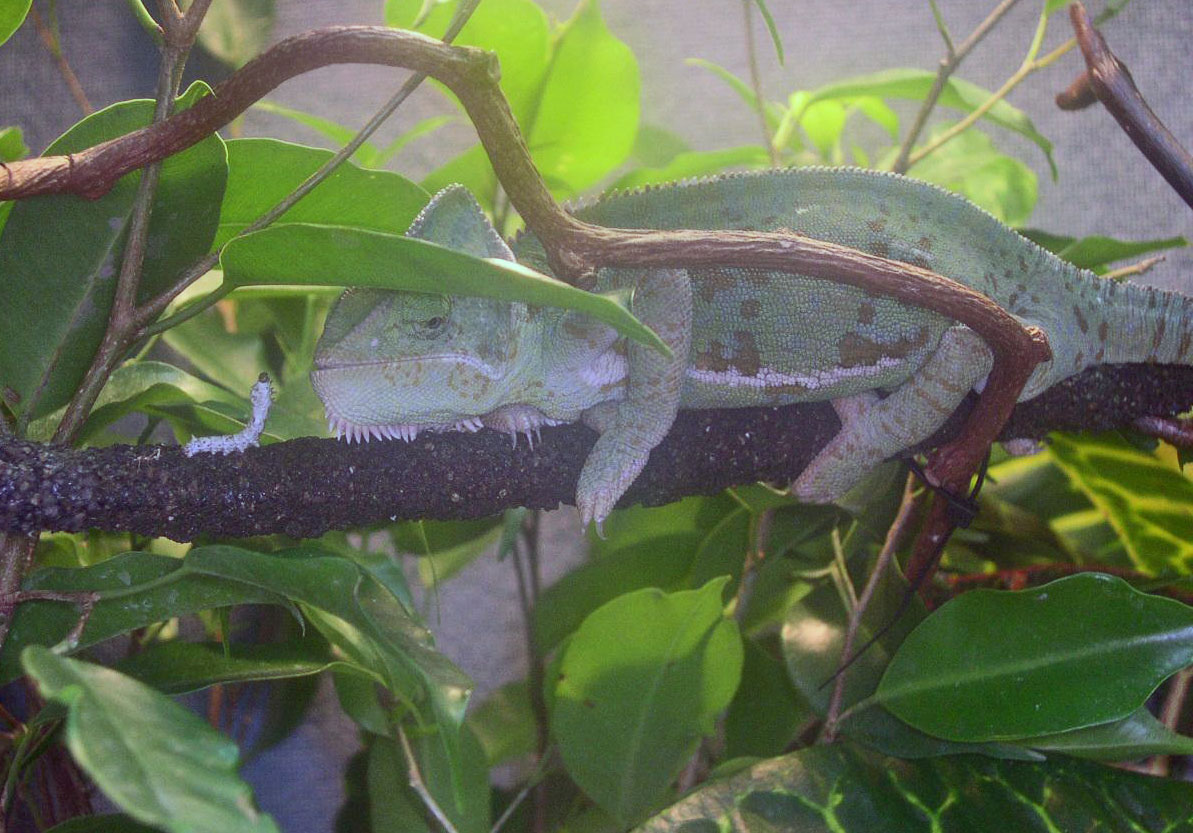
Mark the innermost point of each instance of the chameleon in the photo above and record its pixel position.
(392, 364)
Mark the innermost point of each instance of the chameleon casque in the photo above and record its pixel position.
(392, 364)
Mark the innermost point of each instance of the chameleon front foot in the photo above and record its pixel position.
(606, 475)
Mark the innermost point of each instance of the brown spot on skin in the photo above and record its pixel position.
(857, 350)
(865, 313)
(1098, 356)
(1079, 359)
(925, 243)
(574, 327)
(1022, 264)
(1082, 324)
(1158, 336)
(711, 359)
(747, 359)
(1103, 330)
(877, 226)
(880, 248)
(710, 282)
(751, 308)
(1182, 349)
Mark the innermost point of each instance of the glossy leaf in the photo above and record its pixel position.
(234, 31)
(394, 806)
(299, 253)
(629, 713)
(12, 144)
(1080, 651)
(515, 30)
(1146, 500)
(841, 789)
(159, 762)
(767, 711)
(914, 84)
(107, 823)
(12, 15)
(181, 667)
(57, 295)
(1098, 251)
(263, 171)
(970, 165)
(1137, 736)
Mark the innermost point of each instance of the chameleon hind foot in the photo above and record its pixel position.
(874, 429)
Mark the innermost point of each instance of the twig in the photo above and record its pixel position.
(49, 37)
(1172, 430)
(417, 784)
(756, 82)
(1108, 78)
(1170, 715)
(948, 65)
(1132, 269)
(894, 537)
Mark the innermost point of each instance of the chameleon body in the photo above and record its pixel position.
(393, 363)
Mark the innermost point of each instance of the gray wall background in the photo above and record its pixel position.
(1105, 187)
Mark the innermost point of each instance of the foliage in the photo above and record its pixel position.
(692, 648)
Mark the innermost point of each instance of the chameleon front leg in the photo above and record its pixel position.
(874, 429)
(662, 301)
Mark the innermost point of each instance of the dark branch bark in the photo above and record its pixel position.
(305, 487)
(1108, 80)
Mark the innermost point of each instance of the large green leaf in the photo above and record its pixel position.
(263, 171)
(12, 15)
(504, 724)
(1080, 651)
(181, 667)
(970, 165)
(316, 255)
(959, 94)
(159, 762)
(641, 681)
(1098, 251)
(587, 116)
(840, 789)
(1148, 502)
(1136, 736)
(515, 30)
(234, 31)
(60, 255)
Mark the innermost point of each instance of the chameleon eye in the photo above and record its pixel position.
(434, 323)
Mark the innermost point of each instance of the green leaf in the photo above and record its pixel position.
(12, 144)
(57, 295)
(157, 761)
(771, 28)
(655, 146)
(1146, 500)
(833, 789)
(515, 30)
(771, 111)
(299, 253)
(12, 15)
(1097, 251)
(970, 165)
(914, 84)
(994, 665)
(181, 667)
(695, 163)
(505, 724)
(234, 31)
(587, 113)
(629, 713)
(1137, 736)
(766, 712)
(263, 171)
(336, 132)
(108, 823)
(394, 806)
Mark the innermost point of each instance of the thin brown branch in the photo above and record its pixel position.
(50, 38)
(756, 82)
(1111, 82)
(1172, 430)
(948, 65)
(894, 538)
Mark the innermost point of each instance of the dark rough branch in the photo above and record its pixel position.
(307, 486)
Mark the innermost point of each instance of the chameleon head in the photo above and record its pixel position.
(390, 364)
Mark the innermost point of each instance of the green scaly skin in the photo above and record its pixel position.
(391, 364)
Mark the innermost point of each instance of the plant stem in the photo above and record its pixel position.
(756, 82)
(948, 65)
(419, 786)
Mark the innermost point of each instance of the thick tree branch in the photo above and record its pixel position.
(305, 487)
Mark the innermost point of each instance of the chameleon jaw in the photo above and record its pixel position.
(509, 419)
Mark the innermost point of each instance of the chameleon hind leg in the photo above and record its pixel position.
(874, 429)
(662, 301)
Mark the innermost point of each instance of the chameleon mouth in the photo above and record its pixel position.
(351, 432)
(472, 362)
